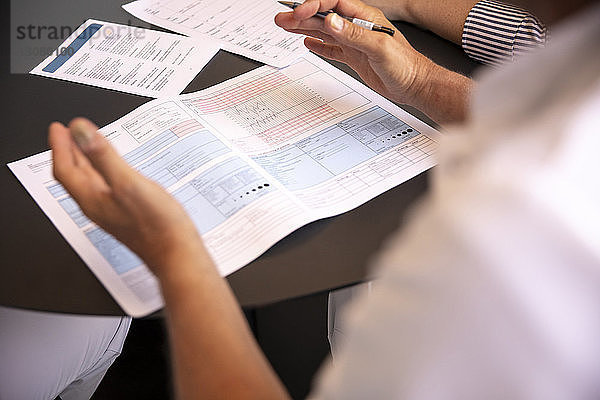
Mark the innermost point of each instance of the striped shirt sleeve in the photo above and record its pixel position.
(495, 33)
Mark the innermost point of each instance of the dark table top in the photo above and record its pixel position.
(39, 270)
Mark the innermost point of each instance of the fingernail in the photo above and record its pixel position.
(337, 22)
(83, 133)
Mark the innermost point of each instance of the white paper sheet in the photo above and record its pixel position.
(251, 160)
(128, 59)
(243, 27)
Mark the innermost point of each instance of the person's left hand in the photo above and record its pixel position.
(136, 210)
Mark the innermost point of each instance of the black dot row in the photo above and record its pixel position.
(263, 186)
(409, 130)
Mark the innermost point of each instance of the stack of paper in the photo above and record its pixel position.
(127, 59)
(244, 27)
(251, 160)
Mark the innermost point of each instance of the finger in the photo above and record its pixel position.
(100, 153)
(373, 44)
(61, 144)
(66, 154)
(350, 8)
(288, 22)
(291, 22)
(306, 10)
(311, 27)
(327, 50)
(67, 159)
(71, 168)
(315, 34)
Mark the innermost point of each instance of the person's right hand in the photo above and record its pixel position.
(136, 210)
(388, 64)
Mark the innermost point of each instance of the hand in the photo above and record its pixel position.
(137, 211)
(388, 64)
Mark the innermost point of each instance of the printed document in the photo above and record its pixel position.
(251, 159)
(243, 27)
(128, 59)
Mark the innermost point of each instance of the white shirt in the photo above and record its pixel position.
(493, 289)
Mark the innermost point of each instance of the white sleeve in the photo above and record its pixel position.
(466, 310)
(493, 290)
(45, 355)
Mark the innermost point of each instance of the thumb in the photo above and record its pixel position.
(352, 35)
(100, 152)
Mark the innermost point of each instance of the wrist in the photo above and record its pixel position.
(183, 259)
(406, 8)
(441, 94)
(419, 85)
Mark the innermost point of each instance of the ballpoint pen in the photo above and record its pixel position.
(360, 22)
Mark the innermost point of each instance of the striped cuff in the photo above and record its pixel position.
(495, 33)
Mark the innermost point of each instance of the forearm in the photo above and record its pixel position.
(394, 10)
(445, 18)
(213, 351)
